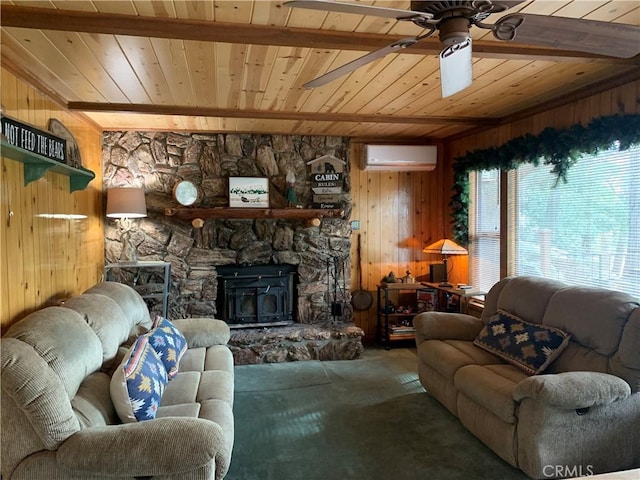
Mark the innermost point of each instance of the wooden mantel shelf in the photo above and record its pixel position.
(241, 213)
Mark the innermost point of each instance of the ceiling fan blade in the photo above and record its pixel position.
(508, 3)
(591, 36)
(456, 68)
(329, 6)
(359, 62)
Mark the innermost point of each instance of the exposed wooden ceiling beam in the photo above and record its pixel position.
(200, 30)
(264, 114)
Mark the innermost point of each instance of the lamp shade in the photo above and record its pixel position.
(126, 202)
(445, 247)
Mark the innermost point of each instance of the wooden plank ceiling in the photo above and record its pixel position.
(239, 66)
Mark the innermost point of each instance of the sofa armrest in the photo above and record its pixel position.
(446, 326)
(203, 332)
(164, 446)
(573, 390)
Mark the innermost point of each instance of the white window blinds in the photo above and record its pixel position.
(484, 229)
(583, 232)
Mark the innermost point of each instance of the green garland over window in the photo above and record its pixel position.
(558, 148)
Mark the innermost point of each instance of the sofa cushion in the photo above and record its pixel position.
(138, 383)
(492, 387)
(203, 332)
(626, 361)
(577, 357)
(528, 346)
(492, 431)
(584, 311)
(525, 297)
(92, 404)
(219, 357)
(216, 384)
(182, 389)
(491, 299)
(168, 343)
(64, 341)
(220, 412)
(37, 395)
(129, 301)
(447, 356)
(106, 319)
(182, 410)
(193, 360)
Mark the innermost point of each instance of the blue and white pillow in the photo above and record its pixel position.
(168, 343)
(138, 383)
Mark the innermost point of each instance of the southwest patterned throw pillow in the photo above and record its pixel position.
(531, 347)
(168, 343)
(138, 383)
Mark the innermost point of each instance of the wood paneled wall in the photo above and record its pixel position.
(44, 260)
(620, 100)
(400, 213)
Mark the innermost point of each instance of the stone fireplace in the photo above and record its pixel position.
(201, 258)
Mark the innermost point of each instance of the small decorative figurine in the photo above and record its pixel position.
(391, 278)
(408, 278)
(291, 189)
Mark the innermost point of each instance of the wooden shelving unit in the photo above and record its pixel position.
(394, 326)
(35, 166)
(242, 213)
(452, 299)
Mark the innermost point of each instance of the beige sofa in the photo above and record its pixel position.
(58, 418)
(579, 416)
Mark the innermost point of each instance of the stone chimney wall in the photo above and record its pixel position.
(157, 161)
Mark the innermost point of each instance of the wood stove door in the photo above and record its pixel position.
(245, 305)
(271, 303)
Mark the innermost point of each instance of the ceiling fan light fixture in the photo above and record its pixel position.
(456, 68)
(454, 38)
(454, 30)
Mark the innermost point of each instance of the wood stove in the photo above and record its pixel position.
(256, 295)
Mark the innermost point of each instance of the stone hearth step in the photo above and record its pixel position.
(333, 341)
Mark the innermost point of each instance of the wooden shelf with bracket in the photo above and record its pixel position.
(247, 213)
(35, 166)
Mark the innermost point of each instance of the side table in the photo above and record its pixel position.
(455, 296)
(393, 326)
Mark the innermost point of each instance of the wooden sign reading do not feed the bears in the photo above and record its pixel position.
(33, 139)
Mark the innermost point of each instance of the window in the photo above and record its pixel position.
(484, 229)
(583, 232)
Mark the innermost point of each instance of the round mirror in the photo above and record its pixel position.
(185, 193)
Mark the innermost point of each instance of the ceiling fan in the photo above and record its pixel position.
(452, 20)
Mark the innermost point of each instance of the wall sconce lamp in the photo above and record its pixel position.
(445, 247)
(124, 204)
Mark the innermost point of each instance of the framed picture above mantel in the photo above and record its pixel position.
(248, 192)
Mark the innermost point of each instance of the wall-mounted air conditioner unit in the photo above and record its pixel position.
(400, 157)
